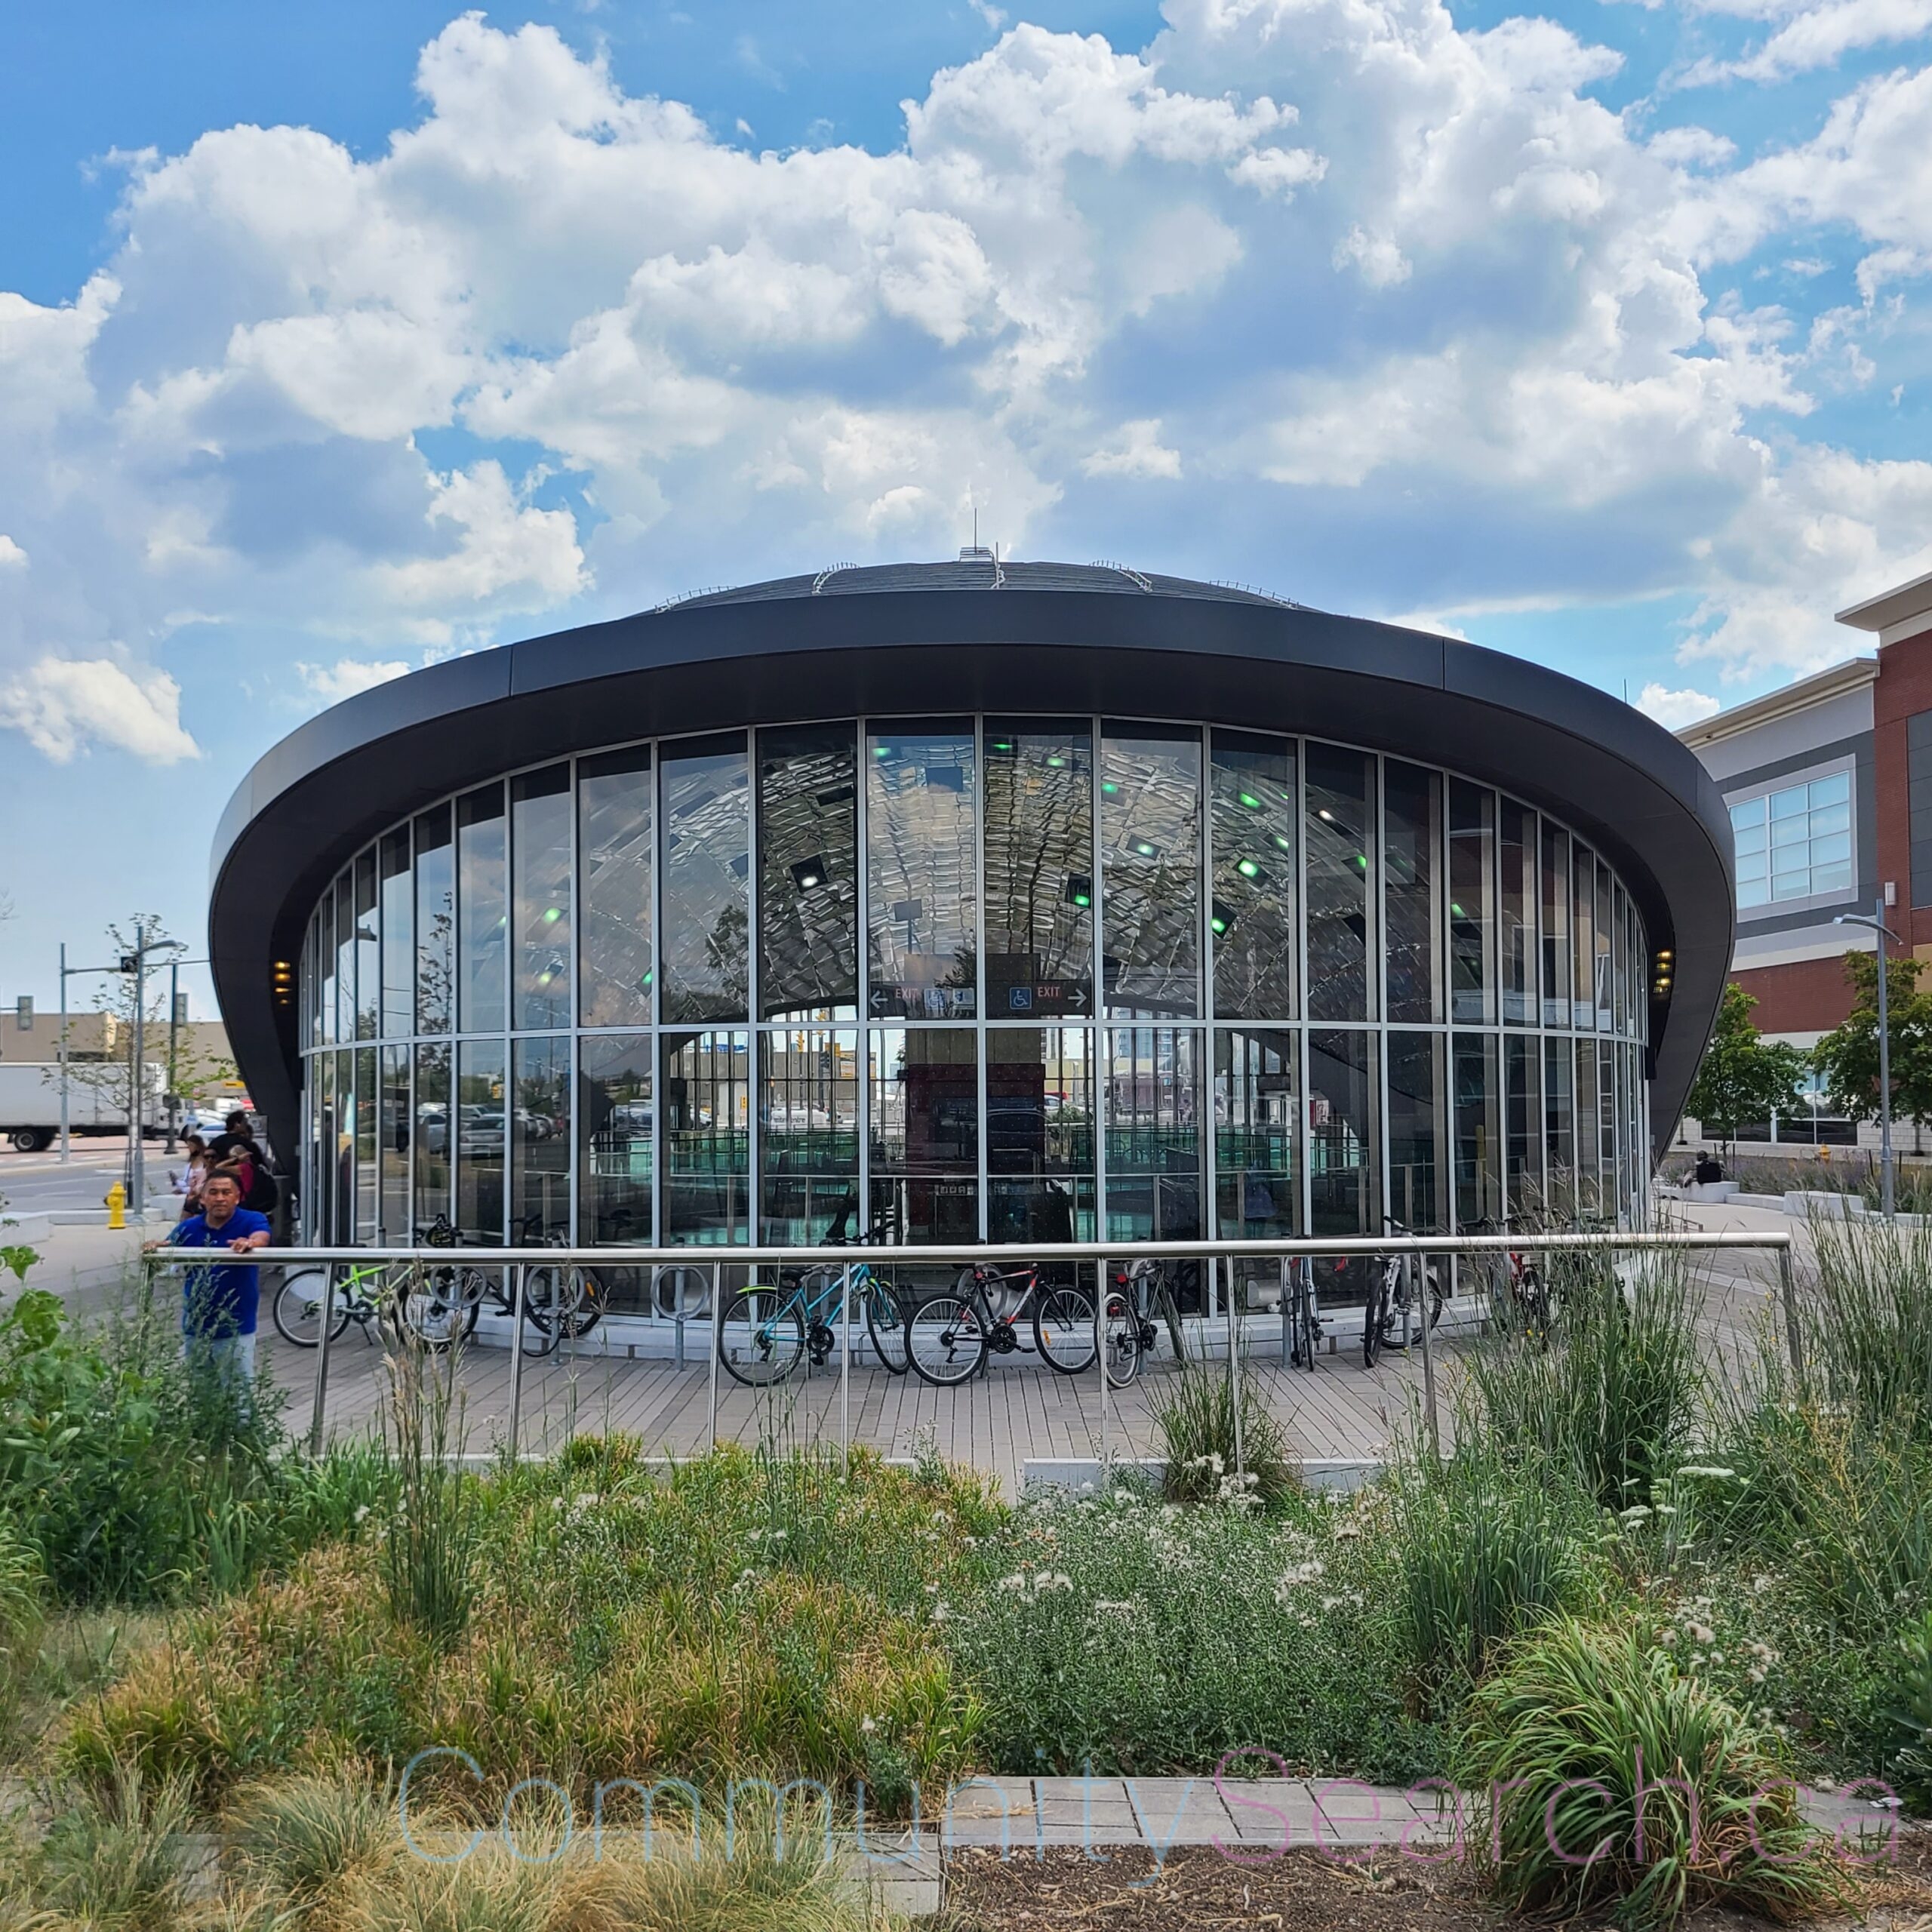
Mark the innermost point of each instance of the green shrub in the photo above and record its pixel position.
(1143, 1637)
(1483, 1549)
(1612, 1782)
(1911, 1714)
(1196, 1417)
(1614, 1396)
(139, 1478)
(301, 1836)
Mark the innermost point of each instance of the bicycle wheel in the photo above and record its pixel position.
(886, 1323)
(1301, 1326)
(1374, 1322)
(436, 1308)
(1063, 1329)
(945, 1340)
(298, 1302)
(584, 1295)
(762, 1335)
(1121, 1336)
(544, 1290)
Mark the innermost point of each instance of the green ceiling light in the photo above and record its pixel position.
(1220, 918)
(1108, 785)
(881, 750)
(1250, 801)
(1456, 910)
(1361, 860)
(551, 914)
(1145, 850)
(1282, 840)
(1248, 869)
(1056, 763)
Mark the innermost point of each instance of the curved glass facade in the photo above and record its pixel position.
(996, 978)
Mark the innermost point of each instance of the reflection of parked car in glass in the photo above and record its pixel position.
(482, 1131)
(432, 1127)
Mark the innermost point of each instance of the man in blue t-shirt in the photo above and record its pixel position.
(218, 1304)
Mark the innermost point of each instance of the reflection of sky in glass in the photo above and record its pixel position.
(1150, 847)
(1338, 863)
(807, 843)
(922, 888)
(1251, 909)
(541, 893)
(1411, 836)
(436, 921)
(482, 910)
(614, 842)
(706, 896)
(1039, 847)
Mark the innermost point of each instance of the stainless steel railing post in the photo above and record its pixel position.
(516, 1357)
(322, 1360)
(1788, 1294)
(1234, 1369)
(845, 1380)
(1425, 1301)
(717, 1343)
(1101, 1362)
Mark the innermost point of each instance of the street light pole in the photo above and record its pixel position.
(65, 1149)
(1877, 923)
(137, 1098)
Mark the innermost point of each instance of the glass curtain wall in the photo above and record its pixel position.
(772, 985)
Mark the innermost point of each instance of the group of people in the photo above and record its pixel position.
(228, 1195)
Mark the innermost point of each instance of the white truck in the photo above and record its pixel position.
(30, 1102)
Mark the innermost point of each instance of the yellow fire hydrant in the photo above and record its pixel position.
(116, 1198)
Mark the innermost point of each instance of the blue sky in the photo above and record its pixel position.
(335, 339)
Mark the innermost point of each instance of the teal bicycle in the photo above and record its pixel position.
(767, 1328)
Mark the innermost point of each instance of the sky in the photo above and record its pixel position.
(336, 338)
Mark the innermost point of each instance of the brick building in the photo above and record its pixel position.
(1829, 783)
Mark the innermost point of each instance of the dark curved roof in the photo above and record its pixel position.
(903, 638)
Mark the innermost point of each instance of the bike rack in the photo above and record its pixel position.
(1416, 1247)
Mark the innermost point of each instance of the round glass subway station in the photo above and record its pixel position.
(988, 901)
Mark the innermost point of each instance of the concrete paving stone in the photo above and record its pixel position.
(1101, 1790)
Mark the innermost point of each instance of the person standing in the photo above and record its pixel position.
(193, 1171)
(219, 1304)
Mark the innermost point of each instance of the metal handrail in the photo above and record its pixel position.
(851, 1255)
(727, 1255)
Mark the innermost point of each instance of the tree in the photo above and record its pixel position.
(1847, 1058)
(1742, 1076)
(113, 1077)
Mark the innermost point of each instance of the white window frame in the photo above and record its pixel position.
(1789, 781)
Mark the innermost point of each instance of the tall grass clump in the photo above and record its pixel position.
(1484, 1547)
(1911, 1715)
(1868, 1329)
(1195, 1415)
(1613, 1783)
(1612, 1397)
(110, 1857)
(23, 1590)
(432, 1514)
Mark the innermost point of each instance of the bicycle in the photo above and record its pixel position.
(415, 1305)
(950, 1336)
(1391, 1301)
(1532, 1302)
(1305, 1327)
(1136, 1295)
(767, 1328)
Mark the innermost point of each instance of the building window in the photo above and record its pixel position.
(1794, 843)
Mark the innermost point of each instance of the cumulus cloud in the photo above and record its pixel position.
(346, 676)
(1675, 709)
(1137, 451)
(64, 704)
(557, 350)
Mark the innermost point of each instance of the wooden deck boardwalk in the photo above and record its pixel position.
(1018, 1411)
